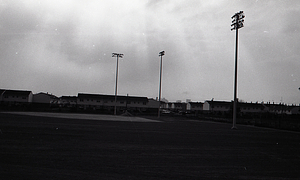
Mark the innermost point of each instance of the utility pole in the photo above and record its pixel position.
(121, 56)
(237, 23)
(161, 54)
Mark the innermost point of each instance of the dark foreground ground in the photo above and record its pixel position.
(53, 148)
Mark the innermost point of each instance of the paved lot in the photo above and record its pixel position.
(37, 147)
(98, 117)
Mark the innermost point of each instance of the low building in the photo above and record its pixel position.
(194, 106)
(168, 105)
(68, 101)
(179, 106)
(283, 109)
(100, 101)
(152, 103)
(251, 107)
(16, 96)
(44, 98)
(217, 106)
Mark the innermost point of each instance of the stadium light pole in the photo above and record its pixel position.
(161, 54)
(121, 56)
(237, 23)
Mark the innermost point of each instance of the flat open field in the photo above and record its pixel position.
(39, 147)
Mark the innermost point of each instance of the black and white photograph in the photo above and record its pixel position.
(149, 89)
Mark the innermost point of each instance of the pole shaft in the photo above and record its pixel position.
(160, 74)
(235, 80)
(115, 111)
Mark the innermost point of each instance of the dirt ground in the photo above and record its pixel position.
(37, 147)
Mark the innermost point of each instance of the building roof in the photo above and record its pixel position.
(112, 97)
(196, 103)
(224, 103)
(69, 97)
(47, 94)
(16, 92)
(281, 107)
(253, 105)
(179, 103)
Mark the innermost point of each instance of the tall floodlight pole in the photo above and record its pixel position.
(160, 74)
(121, 56)
(237, 23)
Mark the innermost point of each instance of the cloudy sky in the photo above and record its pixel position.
(65, 47)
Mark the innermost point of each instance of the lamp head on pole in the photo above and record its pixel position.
(117, 55)
(161, 53)
(238, 20)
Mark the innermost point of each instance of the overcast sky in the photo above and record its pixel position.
(65, 47)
